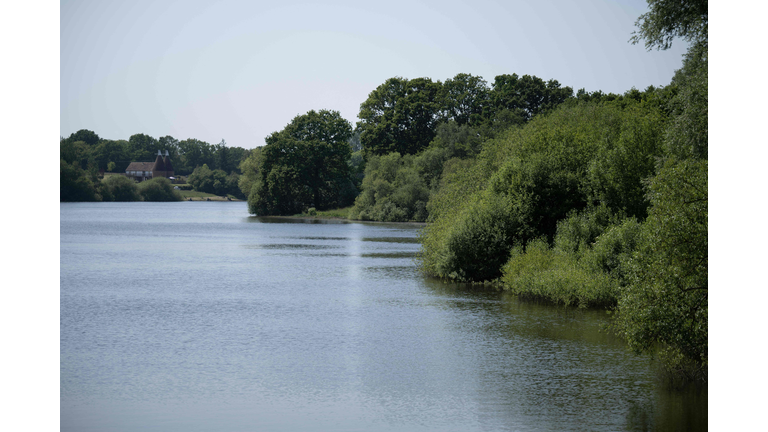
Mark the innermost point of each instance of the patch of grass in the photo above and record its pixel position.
(342, 213)
(195, 194)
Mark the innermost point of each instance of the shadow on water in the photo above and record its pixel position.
(389, 255)
(302, 220)
(290, 246)
(566, 359)
(293, 220)
(409, 240)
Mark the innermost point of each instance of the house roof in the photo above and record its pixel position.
(167, 162)
(140, 166)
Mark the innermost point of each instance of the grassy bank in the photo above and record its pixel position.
(340, 213)
(190, 195)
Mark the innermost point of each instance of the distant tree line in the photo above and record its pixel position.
(85, 156)
(105, 155)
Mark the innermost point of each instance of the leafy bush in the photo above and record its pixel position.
(613, 248)
(158, 189)
(122, 188)
(579, 230)
(529, 179)
(557, 276)
(393, 191)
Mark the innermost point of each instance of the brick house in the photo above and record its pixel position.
(141, 171)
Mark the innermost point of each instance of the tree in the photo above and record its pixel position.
(194, 153)
(108, 151)
(249, 167)
(465, 99)
(304, 165)
(170, 144)
(74, 151)
(221, 157)
(400, 115)
(142, 147)
(88, 137)
(201, 179)
(524, 97)
(665, 305)
(688, 133)
(668, 19)
(76, 184)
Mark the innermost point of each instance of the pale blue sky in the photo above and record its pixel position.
(239, 70)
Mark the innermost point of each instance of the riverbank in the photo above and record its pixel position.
(339, 214)
(191, 195)
(212, 198)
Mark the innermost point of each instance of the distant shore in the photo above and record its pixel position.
(212, 198)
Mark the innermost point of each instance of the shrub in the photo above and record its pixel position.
(122, 188)
(579, 230)
(393, 191)
(158, 189)
(612, 249)
(546, 176)
(556, 276)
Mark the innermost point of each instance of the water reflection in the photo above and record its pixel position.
(290, 246)
(411, 240)
(389, 255)
(565, 362)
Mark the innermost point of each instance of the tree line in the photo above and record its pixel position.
(85, 157)
(106, 155)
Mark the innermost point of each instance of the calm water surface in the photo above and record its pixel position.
(192, 316)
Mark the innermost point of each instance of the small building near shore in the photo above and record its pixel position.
(141, 171)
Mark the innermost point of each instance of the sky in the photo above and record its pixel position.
(240, 70)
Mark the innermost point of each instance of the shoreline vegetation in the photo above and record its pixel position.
(585, 200)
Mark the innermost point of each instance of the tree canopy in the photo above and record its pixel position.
(668, 19)
(303, 166)
(400, 116)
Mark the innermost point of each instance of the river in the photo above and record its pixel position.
(194, 316)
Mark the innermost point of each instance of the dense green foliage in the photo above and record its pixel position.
(158, 189)
(403, 115)
(600, 202)
(400, 116)
(393, 191)
(304, 165)
(84, 155)
(76, 184)
(122, 188)
(524, 182)
(216, 182)
(87, 148)
(397, 187)
(665, 302)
